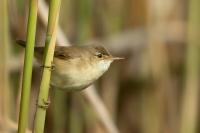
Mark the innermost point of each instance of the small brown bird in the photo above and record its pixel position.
(76, 67)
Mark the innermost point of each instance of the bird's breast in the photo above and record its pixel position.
(74, 74)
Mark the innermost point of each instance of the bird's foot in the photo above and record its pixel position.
(52, 67)
(44, 105)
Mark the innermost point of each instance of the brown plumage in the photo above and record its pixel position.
(76, 67)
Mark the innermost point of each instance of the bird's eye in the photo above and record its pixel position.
(99, 55)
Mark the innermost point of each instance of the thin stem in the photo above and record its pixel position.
(48, 59)
(5, 103)
(27, 72)
(189, 114)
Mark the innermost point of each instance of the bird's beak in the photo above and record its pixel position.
(114, 58)
(118, 58)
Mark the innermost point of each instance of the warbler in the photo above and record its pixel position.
(76, 67)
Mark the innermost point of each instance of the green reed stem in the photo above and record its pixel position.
(189, 112)
(47, 61)
(5, 91)
(27, 72)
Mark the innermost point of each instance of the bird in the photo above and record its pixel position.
(76, 67)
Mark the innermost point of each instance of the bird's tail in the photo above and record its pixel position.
(21, 43)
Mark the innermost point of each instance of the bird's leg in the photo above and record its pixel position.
(44, 104)
(47, 102)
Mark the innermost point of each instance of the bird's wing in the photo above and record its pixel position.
(61, 52)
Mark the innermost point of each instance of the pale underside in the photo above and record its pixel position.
(73, 74)
(75, 70)
(76, 67)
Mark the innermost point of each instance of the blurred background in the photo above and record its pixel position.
(154, 90)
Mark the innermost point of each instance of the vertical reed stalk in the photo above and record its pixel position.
(27, 72)
(47, 61)
(189, 112)
(5, 103)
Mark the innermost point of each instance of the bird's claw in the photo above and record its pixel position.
(45, 104)
(52, 67)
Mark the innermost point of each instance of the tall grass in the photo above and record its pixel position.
(47, 61)
(27, 72)
(5, 105)
(189, 110)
